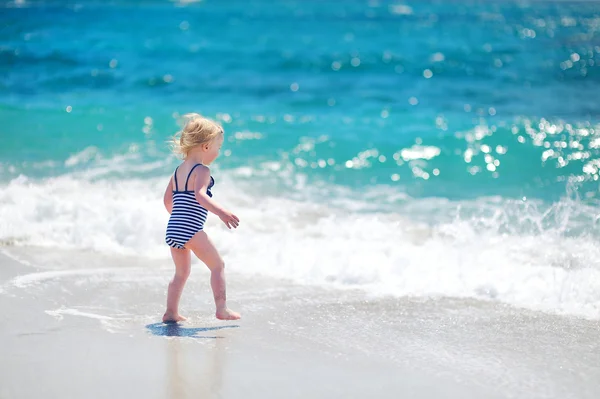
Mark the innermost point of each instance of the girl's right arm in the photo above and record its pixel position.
(202, 181)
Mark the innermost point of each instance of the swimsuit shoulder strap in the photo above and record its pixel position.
(175, 175)
(190, 174)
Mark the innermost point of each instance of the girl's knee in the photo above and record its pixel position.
(183, 273)
(218, 266)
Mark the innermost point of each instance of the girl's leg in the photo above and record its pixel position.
(183, 264)
(204, 249)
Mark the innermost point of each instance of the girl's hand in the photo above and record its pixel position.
(229, 219)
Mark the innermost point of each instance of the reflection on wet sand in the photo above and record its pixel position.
(185, 381)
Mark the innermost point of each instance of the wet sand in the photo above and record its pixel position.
(78, 324)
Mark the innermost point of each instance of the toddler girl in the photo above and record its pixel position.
(188, 198)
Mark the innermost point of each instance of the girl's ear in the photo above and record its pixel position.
(205, 146)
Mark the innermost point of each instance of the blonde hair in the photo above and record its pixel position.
(196, 131)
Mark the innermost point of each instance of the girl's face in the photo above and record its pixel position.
(212, 149)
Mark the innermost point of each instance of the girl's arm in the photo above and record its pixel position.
(202, 180)
(168, 198)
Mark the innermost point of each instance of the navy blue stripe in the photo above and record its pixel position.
(187, 209)
(187, 201)
(181, 236)
(190, 213)
(184, 226)
(175, 192)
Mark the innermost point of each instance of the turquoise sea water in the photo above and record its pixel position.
(476, 118)
(513, 83)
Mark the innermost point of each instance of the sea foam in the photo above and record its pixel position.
(522, 253)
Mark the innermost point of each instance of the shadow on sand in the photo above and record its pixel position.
(176, 330)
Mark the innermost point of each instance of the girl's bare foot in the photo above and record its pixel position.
(226, 314)
(173, 318)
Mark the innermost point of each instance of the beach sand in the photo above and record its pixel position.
(83, 325)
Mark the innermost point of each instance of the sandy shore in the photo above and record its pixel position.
(85, 325)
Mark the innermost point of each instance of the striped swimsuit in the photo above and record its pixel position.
(188, 216)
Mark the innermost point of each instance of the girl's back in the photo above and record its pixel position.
(185, 169)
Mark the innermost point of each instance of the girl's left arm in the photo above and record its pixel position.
(168, 198)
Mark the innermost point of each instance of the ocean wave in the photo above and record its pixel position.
(524, 253)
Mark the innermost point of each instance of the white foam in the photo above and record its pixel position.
(15, 258)
(36, 278)
(519, 253)
(83, 156)
(112, 216)
(58, 313)
(109, 323)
